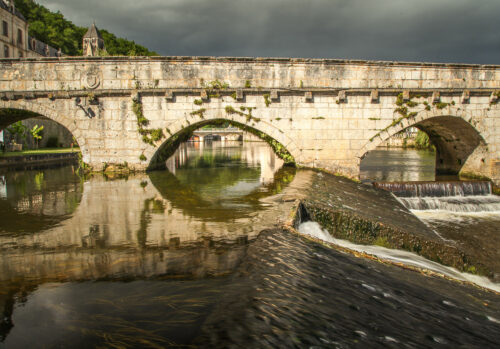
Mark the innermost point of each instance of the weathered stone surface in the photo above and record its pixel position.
(346, 109)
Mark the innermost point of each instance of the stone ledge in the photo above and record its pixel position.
(169, 92)
(283, 60)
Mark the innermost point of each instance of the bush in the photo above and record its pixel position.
(422, 141)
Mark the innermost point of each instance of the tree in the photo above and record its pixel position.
(36, 133)
(18, 130)
(53, 29)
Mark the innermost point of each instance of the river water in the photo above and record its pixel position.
(176, 258)
(467, 215)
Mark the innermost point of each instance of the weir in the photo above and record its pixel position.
(436, 189)
(456, 196)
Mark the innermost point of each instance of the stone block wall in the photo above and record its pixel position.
(326, 113)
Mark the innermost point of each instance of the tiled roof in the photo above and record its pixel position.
(8, 8)
(92, 32)
(40, 47)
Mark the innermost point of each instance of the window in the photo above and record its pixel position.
(6, 51)
(19, 36)
(5, 28)
(20, 54)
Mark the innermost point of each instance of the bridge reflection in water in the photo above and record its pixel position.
(146, 225)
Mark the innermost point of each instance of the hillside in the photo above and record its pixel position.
(53, 29)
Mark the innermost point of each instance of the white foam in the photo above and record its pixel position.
(398, 256)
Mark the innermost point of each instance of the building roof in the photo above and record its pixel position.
(41, 47)
(6, 7)
(93, 32)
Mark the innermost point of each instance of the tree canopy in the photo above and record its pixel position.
(53, 29)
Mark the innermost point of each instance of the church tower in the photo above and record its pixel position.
(93, 43)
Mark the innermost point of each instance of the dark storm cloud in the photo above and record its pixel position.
(411, 30)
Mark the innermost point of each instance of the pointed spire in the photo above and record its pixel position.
(93, 32)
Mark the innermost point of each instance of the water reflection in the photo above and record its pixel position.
(145, 225)
(398, 165)
(35, 200)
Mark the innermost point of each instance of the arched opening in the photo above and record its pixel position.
(219, 170)
(26, 130)
(437, 148)
(38, 179)
(168, 148)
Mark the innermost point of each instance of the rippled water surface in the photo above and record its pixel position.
(175, 258)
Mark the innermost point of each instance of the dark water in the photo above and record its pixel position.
(175, 258)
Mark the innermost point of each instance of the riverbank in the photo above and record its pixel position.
(19, 160)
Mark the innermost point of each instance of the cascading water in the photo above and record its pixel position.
(464, 213)
(458, 196)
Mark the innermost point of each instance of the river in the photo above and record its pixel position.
(177, 258)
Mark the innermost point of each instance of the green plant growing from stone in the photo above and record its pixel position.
(494, 101)
(214, 88)
(200, 112)
(143, 157)
(148, 136)
(441, 105)
(267, 99)
(402, 109)
(248, 84)
(82, 165)
(248, 115)
(198, 102)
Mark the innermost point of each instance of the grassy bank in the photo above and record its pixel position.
(40, 152)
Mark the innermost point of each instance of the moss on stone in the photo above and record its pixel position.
(267, 99)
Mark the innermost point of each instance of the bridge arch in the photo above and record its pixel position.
(181, 130)
(458, 139)
(14, 111)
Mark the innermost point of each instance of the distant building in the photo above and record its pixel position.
(14, 39)
(93, 43)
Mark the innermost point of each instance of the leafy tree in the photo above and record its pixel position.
(18, 129)
(53, 29)
(36, 133)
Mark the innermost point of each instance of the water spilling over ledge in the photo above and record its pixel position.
(367, 215)
(436, 189)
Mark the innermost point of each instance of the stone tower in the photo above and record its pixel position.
(93, 43)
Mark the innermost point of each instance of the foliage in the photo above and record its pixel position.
(422, 141)
(18, 129)
(36, 133)
(148, 136)
(267, 100)
(53, 29)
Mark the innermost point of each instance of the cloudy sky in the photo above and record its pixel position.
(465, 31)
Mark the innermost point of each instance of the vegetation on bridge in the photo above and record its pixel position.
(53, 29)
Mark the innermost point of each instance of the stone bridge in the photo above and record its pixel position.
(225, 134)
(314, 112)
